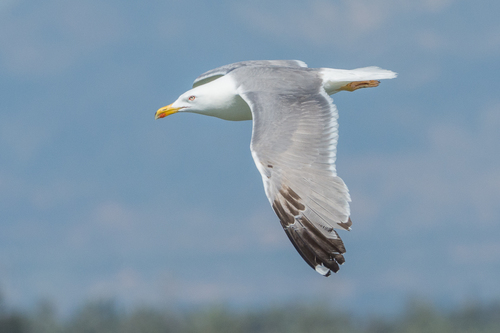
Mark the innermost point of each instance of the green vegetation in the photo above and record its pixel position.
(105, 317)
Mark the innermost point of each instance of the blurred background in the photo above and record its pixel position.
(99, 201)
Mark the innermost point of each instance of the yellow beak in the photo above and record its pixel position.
(165, 111)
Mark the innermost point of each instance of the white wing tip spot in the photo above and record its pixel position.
(322, 270)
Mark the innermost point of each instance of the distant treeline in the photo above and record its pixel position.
(105, 317)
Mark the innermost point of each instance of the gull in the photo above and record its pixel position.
(294, 142)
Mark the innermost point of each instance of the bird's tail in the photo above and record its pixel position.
(335, 80)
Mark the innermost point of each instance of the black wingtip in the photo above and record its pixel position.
(322, 253)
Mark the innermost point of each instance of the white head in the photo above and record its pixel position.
(216, 98)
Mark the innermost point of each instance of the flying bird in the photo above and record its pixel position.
(294, 142)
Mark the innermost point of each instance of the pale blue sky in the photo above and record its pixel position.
(99, 200)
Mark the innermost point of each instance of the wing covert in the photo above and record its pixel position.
(223, 70)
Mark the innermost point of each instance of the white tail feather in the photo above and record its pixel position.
(334, 79)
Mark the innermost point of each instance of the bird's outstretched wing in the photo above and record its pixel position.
(293, 144)
(223, 70)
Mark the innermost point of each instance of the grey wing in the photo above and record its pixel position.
(223, 70)
(294, 147)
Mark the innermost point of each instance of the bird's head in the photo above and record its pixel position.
(216, 98)
(190, 101)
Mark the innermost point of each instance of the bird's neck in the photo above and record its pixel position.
(225, 103)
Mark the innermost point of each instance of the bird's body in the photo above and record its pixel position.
(293, 142)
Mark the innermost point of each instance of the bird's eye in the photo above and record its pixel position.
(191, 98)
